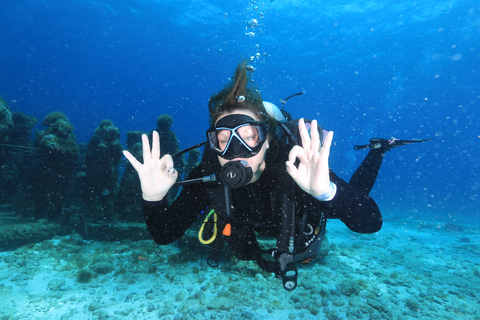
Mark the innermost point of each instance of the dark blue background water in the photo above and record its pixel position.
(404, 69)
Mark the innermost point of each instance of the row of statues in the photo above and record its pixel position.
(52, 176)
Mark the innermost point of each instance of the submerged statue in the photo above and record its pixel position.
(128, 203)
(103, 154)
(6, 122)
(20, 154)
(58, 151)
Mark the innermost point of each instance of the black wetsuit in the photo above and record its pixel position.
(257, 206)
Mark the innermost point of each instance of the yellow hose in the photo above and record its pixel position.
(200, 232)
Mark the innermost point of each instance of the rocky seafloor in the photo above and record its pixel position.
(409, 270)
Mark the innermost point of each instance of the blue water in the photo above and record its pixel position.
(404, 69)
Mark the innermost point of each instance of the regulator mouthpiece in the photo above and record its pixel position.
(235, 174)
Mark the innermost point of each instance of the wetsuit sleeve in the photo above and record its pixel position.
(168, 223)
(356, 209)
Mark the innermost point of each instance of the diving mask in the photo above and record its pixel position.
(237, 136)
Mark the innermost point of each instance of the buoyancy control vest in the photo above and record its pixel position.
(300, 231)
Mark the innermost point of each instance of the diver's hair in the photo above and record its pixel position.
(227, 100)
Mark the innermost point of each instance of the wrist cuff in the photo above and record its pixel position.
(162, 202)
(329, 194)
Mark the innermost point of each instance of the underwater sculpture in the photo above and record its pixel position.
(20, 134)
(17, 163)
(193, 161)
(6, 122)
(58, 151)
(103, 154)
(128, 201)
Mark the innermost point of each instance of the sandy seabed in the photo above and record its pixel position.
(409, 270)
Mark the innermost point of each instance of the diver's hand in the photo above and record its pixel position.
(312, 174)
(156, 175)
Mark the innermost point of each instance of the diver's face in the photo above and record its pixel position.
(256, 162)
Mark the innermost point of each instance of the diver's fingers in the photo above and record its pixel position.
(303, 155)
(315, 144)
(292, 156)
(146, 148)
(135, 163)
(304, 134)
(325, 151)
(155, 145)
(167, 162)
(292, 170)
(294, 153)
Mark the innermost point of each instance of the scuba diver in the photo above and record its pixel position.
(260, 174)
